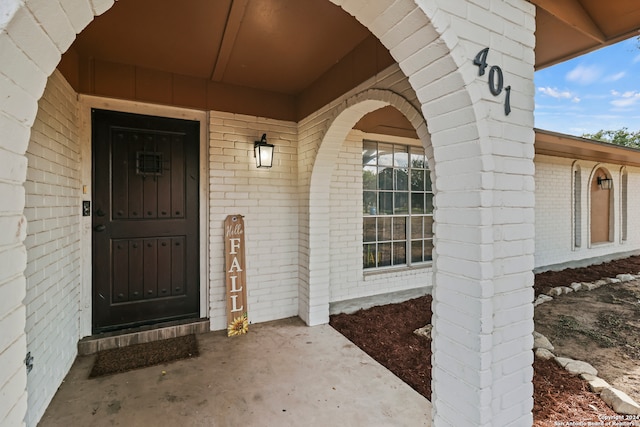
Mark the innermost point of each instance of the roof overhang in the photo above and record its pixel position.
(560, 145)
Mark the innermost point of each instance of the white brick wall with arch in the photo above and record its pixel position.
(562, 223)
(482, 172)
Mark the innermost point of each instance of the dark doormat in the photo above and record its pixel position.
(142, 355)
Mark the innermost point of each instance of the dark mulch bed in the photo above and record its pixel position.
(142, 355)
(548, 279)
(386, 334)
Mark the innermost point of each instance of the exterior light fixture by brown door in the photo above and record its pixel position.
(605, 183)
(263, 152)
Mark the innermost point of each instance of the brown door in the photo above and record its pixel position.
(145, 220)
(600, 210)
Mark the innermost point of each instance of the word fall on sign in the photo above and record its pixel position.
(234, 257)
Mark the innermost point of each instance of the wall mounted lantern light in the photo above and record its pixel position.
(605, 183)
(263, 152)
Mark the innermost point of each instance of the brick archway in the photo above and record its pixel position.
(474, 168)
(342, 118)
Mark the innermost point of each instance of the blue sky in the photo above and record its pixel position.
(599, 90)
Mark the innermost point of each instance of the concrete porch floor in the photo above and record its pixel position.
(281, 373)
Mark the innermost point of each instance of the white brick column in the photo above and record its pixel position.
(483, 182)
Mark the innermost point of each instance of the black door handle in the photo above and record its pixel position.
(100, 227)
(100, 212)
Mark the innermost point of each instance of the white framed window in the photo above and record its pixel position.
(397, 206)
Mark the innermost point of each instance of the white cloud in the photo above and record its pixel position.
(575, 99)
(615, 77)
(584, 75)
(636, 59)
(626, 99)
(555, 93)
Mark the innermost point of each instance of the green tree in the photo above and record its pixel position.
(619, 137)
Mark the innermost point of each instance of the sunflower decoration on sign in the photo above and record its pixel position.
(239, 326)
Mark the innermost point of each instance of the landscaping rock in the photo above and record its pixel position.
(600, 282)
(576, 367)
(590, 286)
(620, 402)
(596, 384)
(576, 286)
(611, 280)
(544, 354)
(566, 289)
(540, 341)
(425, 331)
(542, 298)
(625, 277)
(554, 292)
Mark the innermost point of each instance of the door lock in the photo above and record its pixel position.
(100, 227)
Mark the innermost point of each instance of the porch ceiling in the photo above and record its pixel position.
(292, 56)
(569, 28)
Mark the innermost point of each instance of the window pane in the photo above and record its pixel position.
(385, 154)
(385, 178)
(399, 253)
(369, 256)
(384, 254)
(416, 251)
(399, 228)
(427, 181)
(369, 177)
(416, 227)
(385, 206)
(401, 179)
(428, 226)
(417, 180)
(417, 203)
(369, 153)
(384, 229)
(369, 203)
(429, 199)
(401, 157)
(417, 158)
(401, 203)
(428, 250)
(369, 229)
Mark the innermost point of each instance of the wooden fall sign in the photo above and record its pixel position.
(234, 260)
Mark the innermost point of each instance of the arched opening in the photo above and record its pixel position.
(601, 217)
(342, 121)
(577, 205)
(381, 198)
(624, 204)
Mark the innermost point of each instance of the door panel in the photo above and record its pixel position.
(600, 210)
(145, 220)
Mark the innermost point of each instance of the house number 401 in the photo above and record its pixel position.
(496, 79)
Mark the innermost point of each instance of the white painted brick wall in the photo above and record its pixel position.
(268, 200)
(554, 206)
(347, 280)
(17, 109)
(53, 243)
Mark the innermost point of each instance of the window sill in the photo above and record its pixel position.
(394, 270)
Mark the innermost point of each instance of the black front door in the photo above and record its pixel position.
(145, 220)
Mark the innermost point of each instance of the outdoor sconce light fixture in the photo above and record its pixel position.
(263, 152)
(605, 183)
